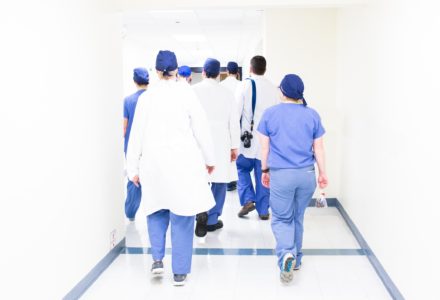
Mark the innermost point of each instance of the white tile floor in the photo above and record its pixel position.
(247, 277)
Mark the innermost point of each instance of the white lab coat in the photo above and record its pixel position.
(170, 144)
(220, 108)
(267, 96)
(231, 83)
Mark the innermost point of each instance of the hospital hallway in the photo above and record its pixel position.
(238, 262)
(369, 69)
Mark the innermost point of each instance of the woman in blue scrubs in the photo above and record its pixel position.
(291, 136)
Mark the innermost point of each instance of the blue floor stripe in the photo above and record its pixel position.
(249, 251)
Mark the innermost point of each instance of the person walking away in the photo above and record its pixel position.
(171, 153)
(291, 135)
(141, 79)
(184, 74)
(256, 95)
(232, 83)
(220, 108)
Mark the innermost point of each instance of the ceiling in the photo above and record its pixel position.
(194, 35)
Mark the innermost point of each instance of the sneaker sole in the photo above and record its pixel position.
(286, 275)
(158, 271)
(178, 283)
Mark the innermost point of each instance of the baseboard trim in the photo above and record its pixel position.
(81, 287)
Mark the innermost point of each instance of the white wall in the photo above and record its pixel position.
(303, 42)
(388, 92)
(61, 172)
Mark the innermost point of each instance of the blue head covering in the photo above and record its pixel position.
(185, 71)
(212, 67)
(232, 67)
(166, 61)
(293, 87)
(140, 76)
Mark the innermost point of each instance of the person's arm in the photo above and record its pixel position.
(134, 150)
(125, 126)
(264, 143)
(318, 149)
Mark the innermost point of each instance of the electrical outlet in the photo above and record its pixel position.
(112, 239)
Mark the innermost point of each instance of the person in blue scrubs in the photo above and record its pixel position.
(291, 135)
(141, 79)
(184, 73)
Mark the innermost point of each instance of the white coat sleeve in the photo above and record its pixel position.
(134, 149)
(245, 106)
(234, 125)
(201, 129)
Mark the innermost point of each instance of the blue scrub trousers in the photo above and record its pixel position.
(182, 233)
(245, 188)
(290, 193)
(219, 192)
(134, 195)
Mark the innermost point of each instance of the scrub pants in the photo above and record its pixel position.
(219, 192)
(182, 232)
(245, 188)
(134, 195)
(290, 193)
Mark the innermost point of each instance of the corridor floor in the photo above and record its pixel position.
(237, 262)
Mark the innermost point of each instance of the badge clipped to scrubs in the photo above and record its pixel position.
(321, 201)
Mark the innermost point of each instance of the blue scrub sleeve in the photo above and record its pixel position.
(319, 129)
(262, 126)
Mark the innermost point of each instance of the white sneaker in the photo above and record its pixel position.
(157, 268)
(286, 274)
(179, 279)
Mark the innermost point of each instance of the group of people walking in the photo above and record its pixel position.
(185, 144)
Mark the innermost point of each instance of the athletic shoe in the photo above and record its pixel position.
(264, 217)
(247, 208)
(297, 267)
(157, 268)
(286, 274)
(202, 219)
(214, 227)
(232, 186)
(179, 279)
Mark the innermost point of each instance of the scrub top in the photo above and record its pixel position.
(129, 108)
(291, 128)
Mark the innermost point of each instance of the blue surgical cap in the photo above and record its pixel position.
(184, 71)
(232, 67)
(293, 87)
(166, 61)
(140, 76)
(211, 67)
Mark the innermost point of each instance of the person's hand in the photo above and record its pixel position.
(210, 169)
(135, 180)
(265, 179)
(234, 154)
(322, 181)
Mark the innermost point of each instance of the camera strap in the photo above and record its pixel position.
(254, 101)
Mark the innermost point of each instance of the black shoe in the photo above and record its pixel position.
(214, 227)
(247, 208)
(202, 219)
(264, 217)
(232, 186)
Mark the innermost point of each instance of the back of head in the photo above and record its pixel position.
(211, 68)
(184, 71)
(232, 67)
(141, 76)
(258, 65)
(166, 63)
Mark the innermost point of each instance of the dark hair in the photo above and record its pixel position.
(212, 75)
(258, 65)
